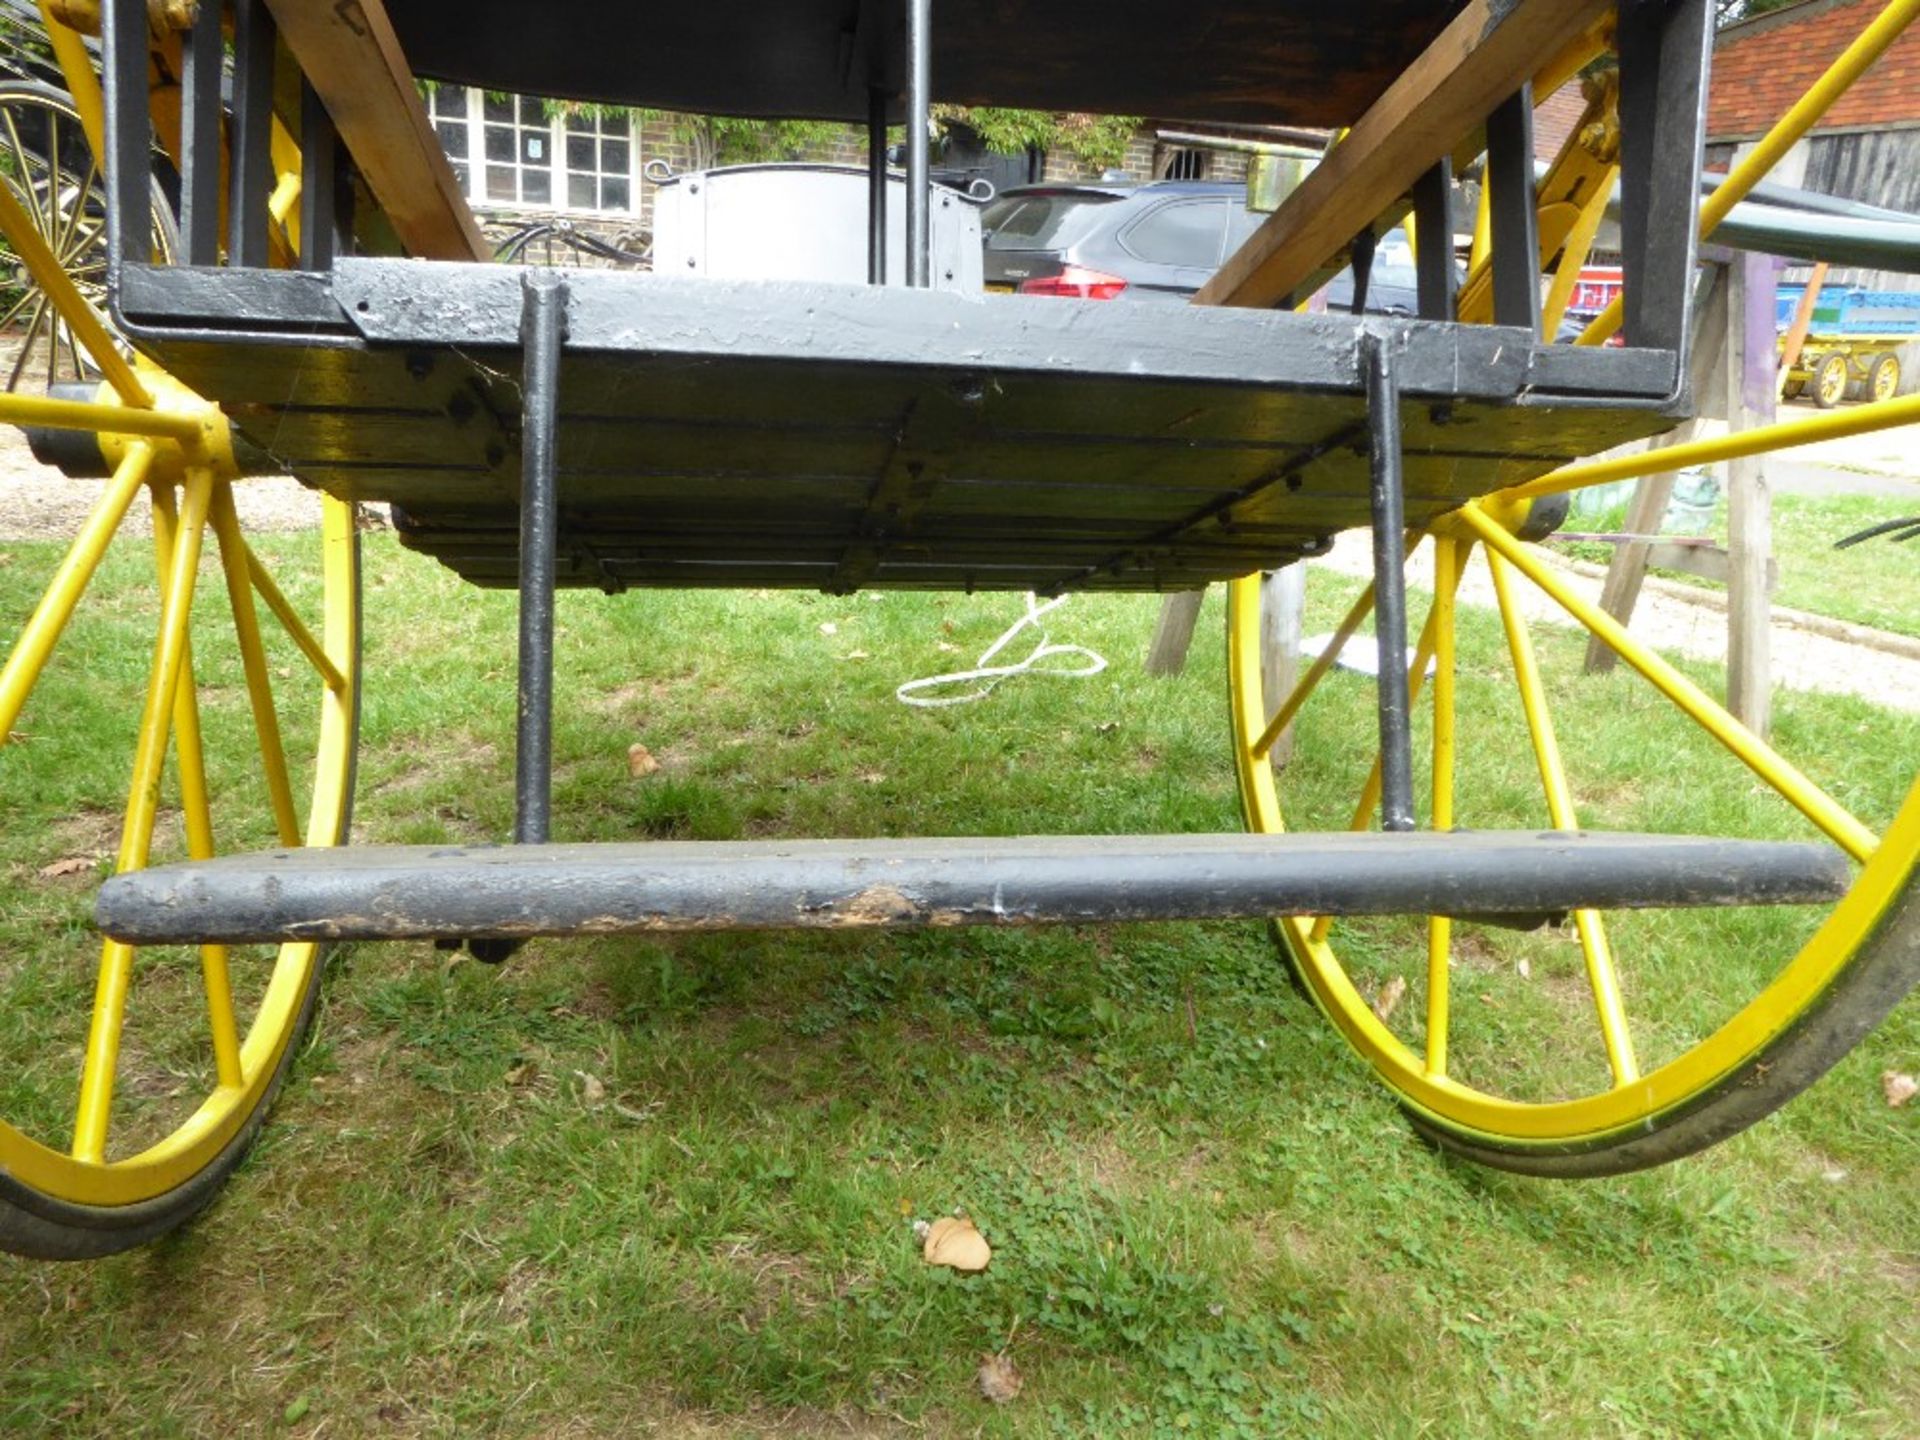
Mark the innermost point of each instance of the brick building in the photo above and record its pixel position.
(1867, 147)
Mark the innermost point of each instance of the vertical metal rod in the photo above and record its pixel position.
(1516, 231)
(542, 325)
(319, 151)
(876, 186)
(1433, 235)
(200, 138)
(1360, 258)
(1389, 583)
(919, 104)
(129, 136)
(250, 168)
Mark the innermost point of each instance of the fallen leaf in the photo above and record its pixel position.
(522, 1074)
(1900, 1087)
(1833, 1174)
(956, 1243)
(1525, 967)
(999, 1380)
(945, 648)
(72, 865)
(906, 1206)
(827, 627)
(1389, 998)
(856, 655)
(593, 1092)
(640, 761)
(873, 777)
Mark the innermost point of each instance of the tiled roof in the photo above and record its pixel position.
(1762, 66)
(1554, 119)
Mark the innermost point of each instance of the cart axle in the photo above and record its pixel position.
(402, 892)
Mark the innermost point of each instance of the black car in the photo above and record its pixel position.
(1157, 241)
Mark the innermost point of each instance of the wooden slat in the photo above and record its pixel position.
(354, 62)
(1489, 51)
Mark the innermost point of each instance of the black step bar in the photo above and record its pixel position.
(398, 892)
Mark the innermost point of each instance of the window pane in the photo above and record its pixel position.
(613, 157)
(580, 192)
(533, 147)
(536, 186)
(453, 137)
(500, 183)
(498, 107)
(532, 112)
(499, 142)
(579, 152)
(581, 123)
(613, 194)
(1187, 233)
(461, 175)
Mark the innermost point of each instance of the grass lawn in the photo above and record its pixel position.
(619, 1187)
(1876, 582)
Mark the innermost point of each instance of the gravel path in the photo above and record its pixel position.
(1801, 661)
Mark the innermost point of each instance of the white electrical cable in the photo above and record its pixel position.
(985, 674)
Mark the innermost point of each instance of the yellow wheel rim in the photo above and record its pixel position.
(1631, 1104)
(1886, 377)
(108, 1180)
(1830, 380)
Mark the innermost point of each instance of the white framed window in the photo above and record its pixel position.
(507, 152)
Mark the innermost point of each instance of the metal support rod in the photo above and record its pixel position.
(919, 103)
(200, 112)
(542, 325)
(1433, 232)
(129, 136)
(876, 186)
(1360, 258)
(319, 182)
(1516, 232)
(250, 156)
(1389, 583)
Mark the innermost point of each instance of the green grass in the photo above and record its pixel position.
(1876, 582)
(1207, 1219)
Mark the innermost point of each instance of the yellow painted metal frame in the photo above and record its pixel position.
(158, 433)
(1633, 1103)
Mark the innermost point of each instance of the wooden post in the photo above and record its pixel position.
(1167, 654)
(1283, 600)
(1750, 402)
(1650, 496)
(1796, 338)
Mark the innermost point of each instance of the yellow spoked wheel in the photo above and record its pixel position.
(1830, 381)
(47, 164)
(1883, 381)
(1615, 1041)
(135, 1079)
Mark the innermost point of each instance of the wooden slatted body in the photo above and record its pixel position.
(815, 436)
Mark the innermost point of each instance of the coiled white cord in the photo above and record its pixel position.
(985, 674)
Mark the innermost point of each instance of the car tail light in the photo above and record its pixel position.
(1077, 283)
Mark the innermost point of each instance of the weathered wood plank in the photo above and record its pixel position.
(1489, 50)
(354, 62)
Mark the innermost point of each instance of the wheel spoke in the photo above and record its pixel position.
(136, 833)
(253, 658)
(23, 167)
(1809, 799)
(1446, 579)
(26, 343)
(49, 619)
(1322, 663)
(1416, 681)
(195, 806)
(295, 627)
(1602, 978)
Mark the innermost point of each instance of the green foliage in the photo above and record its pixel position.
(1097, 140)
